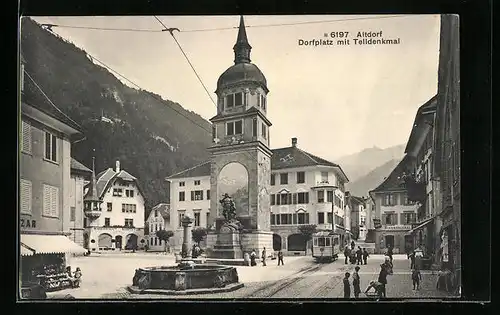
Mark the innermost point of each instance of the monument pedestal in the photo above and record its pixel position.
(227, 246)
(234, 245)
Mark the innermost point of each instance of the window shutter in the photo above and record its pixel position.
(289, 199)
(55, 201)
(26, 137)
(192, 195)
(201, 194)
(54, 148)
(294, 199)
(384, 219)
(402, 219)
(26, 196)
(307, 197)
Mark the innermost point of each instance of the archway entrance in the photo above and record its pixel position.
(276, 242)
(118, 242)
(297, 242)
(131, 242)
(104, 241)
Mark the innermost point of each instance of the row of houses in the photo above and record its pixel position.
(64, 208)
(418, 204)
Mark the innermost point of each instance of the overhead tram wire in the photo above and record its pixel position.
(49, 25)
(161, 101)
(48, 98)
(171, 31)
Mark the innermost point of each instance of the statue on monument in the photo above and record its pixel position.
(228, 208)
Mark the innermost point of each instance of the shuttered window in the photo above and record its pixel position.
(26, 137)
(50, 147)
(50, 201)
(25, 193)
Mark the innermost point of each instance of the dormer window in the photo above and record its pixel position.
(234, 128)
(262, 101)
(233, 100)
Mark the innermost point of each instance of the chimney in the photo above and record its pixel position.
(117, 166)
(294, 142)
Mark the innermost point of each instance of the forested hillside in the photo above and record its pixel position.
(151, 137)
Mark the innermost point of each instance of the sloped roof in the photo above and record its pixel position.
(291, 157)
(199, 170)
(163, 209)
(77, 166)
(34, 97)
(393, 181)
(428, 108)
(108, 176)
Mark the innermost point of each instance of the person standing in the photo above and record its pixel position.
(264, 257)
(280, 258)
(353, 245)
(347, 286)
(389, 252)
(356, 282)
(382, 279)
(359, 256)
(365, 256)
(416, 276)
(419, 254)
(347, 254)
(253, 257)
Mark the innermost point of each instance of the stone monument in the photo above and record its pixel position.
(228, 245)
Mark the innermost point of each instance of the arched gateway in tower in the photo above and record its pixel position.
(241, 158)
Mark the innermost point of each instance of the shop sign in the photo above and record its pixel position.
(28, 223)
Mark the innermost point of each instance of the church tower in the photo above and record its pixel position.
(241, 158)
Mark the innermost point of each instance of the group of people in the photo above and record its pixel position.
(377, 286)
(359, 256)
(74, 277)
(253, 257)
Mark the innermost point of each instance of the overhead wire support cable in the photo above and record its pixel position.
(171, 31)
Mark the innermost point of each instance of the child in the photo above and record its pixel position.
(416, 276)
(347, 286)
(365, 256)
(356, 282)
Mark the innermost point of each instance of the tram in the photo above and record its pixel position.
(326, 246)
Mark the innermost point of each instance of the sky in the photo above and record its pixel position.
(337, 100)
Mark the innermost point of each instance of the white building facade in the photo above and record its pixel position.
(121, 223)
(73, 224)
(189, 195)
(158, 219)
(305, 190)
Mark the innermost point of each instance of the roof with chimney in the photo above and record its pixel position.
(107, 177)
(283, 158)
(394, 182)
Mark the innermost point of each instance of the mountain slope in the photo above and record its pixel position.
(362, 185)
(152, 138)
(360, 164)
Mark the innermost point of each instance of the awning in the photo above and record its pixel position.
(421, 225)
(25, 251)
(51, 244)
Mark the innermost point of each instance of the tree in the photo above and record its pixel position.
(164, 236)
(198, 234)
(307, 230)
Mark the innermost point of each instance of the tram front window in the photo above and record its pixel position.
(321, 241)
(327, 242)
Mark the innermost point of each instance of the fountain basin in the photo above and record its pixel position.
(194, 279)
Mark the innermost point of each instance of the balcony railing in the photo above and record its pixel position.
(397, 227)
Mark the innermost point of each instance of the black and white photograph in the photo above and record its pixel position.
(252, 157)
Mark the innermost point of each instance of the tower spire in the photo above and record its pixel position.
(92, 195)
(242, 47)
